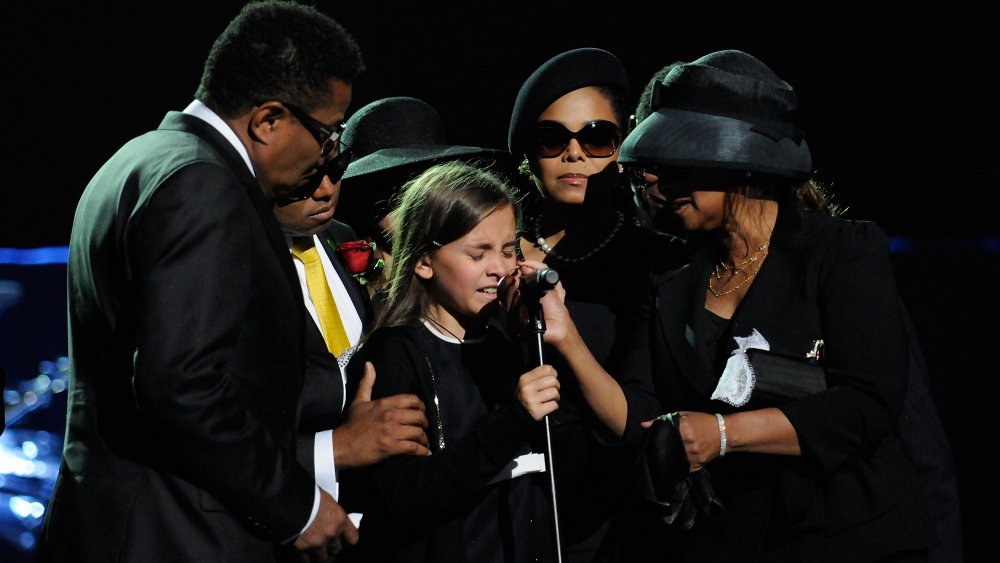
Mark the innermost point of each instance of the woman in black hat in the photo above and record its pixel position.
(566, 127)
(649, 203)
(781, 345)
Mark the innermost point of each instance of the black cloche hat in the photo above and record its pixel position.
(557, 77)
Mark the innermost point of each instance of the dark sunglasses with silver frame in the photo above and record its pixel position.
(598, 139)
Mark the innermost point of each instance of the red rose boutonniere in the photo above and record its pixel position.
(357, 256)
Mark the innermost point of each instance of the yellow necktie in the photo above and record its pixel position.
(326, 308)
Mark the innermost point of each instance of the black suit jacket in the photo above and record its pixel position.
(323, 389)
(186, 347)
(852, 490)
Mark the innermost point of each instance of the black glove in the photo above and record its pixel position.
(665, 479)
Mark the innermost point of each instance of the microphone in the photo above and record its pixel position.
(531, 291)
(535, 286)
(527, 289)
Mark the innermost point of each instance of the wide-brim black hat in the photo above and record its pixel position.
(557, 77)
(401, 131)
(725, 110)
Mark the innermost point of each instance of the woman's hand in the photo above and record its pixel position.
(538, 391)
(557, 319)
(700, 433)
(764, 431)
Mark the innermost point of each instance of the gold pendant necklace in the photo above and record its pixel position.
(437, 405)
(723, 271)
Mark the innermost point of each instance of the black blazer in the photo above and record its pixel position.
(323, 389)
(186, 348)
(851, 490)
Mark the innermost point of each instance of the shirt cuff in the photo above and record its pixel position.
(324, 465)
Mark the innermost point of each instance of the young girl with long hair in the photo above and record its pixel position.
(440, 338)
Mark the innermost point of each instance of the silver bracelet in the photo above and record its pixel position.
(722, 434)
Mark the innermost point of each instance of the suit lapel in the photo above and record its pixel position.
(677, 298)
(358, 295)
(780, 276)
(178, 121)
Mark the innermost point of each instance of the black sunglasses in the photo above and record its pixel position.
(636, 176)
(598, 139)
(706, 177)
(333, 169)
(335, 153)
(636, 173)
(328, 139)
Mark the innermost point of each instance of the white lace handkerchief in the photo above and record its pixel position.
(737, 381)
(521, 465)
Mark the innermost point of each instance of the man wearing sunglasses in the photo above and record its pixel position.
(335, 435)
(187, 324)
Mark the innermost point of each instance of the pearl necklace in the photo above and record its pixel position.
(540, 241)
(723, 271)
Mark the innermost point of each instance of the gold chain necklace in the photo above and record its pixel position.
(437, 402)
(723, 271)
(437, 405)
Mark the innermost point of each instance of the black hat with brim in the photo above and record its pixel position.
(401, 131)
(367, 198)
(677, 137)
(725, 110)
(385, 159)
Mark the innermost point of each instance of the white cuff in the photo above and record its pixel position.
(324, 466)
(521, 465)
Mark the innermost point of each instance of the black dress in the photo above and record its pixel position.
(445, 507)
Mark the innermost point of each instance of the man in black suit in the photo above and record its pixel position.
(333, 436)
(186, 319)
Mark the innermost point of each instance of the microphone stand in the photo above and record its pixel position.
(538, 327)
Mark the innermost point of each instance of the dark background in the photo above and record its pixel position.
(898, 106)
